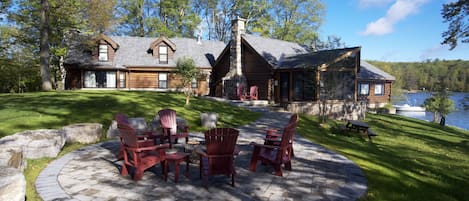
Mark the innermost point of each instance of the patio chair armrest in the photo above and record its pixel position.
(162, 146)
(201, 152)
(263, 145)
(272, 139)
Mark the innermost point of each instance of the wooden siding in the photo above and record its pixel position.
(378, 99)
(257, 71)
(110, 51)
(143, 80)
(220, 69)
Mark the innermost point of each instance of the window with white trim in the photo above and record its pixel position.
(379, 89)
(103, 51)
(364, 89)
(163, 54)
(122, 80)
(194, 83)
(163, 80)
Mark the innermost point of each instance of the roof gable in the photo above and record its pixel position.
(165, 40)
(111, 42)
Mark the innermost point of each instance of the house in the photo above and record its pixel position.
(117, 62)
(289, 74)
(374, 85)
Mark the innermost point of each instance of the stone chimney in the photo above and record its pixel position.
(235, 76)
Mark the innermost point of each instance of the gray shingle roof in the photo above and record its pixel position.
(273, 50)
(133, 51)
(314, 59)
(370, 72)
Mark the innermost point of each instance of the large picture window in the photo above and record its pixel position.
(303, 85)
(335, 85)
(103, 53)
(122, 80)
(364, 89)
(100, 79)
(163, 54)
(379, 89)
(163, 80)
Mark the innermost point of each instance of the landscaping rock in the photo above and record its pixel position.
(12, 157)
(12, 184)
(112, 131)
(209, 120)
(35, 143)
(83, 132)
(138, 123)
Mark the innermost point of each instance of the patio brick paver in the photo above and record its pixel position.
(92, 173)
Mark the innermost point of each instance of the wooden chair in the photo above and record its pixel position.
(253, 93)
(170, 128)
(275, 155)
(147, 139)
(138, 155)
(219, 155)
(273, 137)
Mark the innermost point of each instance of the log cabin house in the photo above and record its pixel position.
(137, 63)
(374, 85)
(289, 74)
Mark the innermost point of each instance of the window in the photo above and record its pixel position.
(163, 54)
(162, 80)
(303, 85)
(100, 79)
(379, 89)
(102, 53)
(90, 79)
(194, 83)
(336, 85)
(364, 89)
(122, 80)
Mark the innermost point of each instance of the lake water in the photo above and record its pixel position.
(458, 118)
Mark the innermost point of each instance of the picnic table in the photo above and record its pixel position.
(360, 126)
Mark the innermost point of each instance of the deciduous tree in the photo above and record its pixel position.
(186, 69)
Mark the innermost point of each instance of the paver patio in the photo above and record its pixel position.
(92, 173)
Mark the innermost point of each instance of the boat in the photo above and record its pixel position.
(409, 108)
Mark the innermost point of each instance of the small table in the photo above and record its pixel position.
(176, 159)
(358, 126)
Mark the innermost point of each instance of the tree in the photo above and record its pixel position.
(456, 13)
(440, 104)
(44, 46)
(185, 67)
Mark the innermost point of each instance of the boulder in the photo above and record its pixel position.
(35, 143)
(112, 131)
(209, 120)
(12, 157)
(83, 132)
(12, 184)
(138, 123)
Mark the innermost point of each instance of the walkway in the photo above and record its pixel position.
(92, 173)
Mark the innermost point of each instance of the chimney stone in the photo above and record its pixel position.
(235, 77)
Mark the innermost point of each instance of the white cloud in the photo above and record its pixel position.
(397, 12)
(372, 3)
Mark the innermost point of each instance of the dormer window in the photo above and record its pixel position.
(103, 53)
(163, 54)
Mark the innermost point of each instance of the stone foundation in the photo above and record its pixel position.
(340, 110)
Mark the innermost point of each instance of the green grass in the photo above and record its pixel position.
(29, 111)
(409, 160)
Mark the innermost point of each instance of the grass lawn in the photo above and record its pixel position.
(409, 160)
(29, 111)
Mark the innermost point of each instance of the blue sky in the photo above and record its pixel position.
(391, 30)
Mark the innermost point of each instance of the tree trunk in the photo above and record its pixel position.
(44, 46)
(188, 97)
(435, 117)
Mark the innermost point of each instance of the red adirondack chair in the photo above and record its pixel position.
(272, 136)
(275, 155)
(253, 93)
(219, 155)
(139, 156)
(144, 140)
(170, 127)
